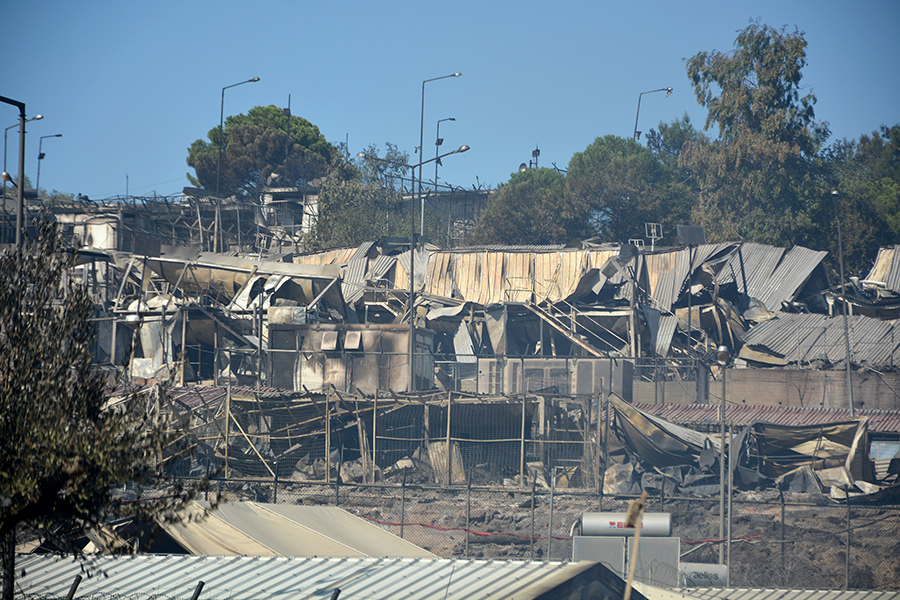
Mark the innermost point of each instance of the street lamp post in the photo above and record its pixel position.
(20, 188)
(412, 239)
(412, 250)
(437, 161)
(723, 353)
(221, 125)
(422, 137)
(37, 183)
(637, 134)
(835, 195)
(438, 141)
(219, 160)
(6, 131)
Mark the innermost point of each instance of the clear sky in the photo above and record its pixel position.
(130, 84)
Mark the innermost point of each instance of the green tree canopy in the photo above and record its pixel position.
(756, 180)
(624, 186)
(866, 175)
(532, 208)
(257, 146)
(61, 450)
(362, 200)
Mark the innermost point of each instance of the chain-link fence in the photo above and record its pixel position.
(775, 541)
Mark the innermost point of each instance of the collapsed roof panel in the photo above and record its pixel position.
(804, 338)
(886, 269)
(750, 268)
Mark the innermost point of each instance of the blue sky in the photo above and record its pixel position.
(130, 85)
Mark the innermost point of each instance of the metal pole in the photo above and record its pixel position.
(722, 471)
(847, 570)
(37, 183)
(275, 483)
(197, 590)
(522, 445)
(449, 441)
(835, 196)
(668, 91)
(77, 581)
(550, 524)
(730, 494)
(531, 541)
(412, 272)
(221, 124)
(402, 502)
(783, 540)
(21, 222)
(468, 513)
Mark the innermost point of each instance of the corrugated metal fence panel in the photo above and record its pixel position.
(572, 270)
(519, 277)
(546, 275)
(661, 269)
(258, 578)
(439, 281)
(492, 292)
(467, 275)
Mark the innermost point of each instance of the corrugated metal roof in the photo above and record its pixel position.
(790, 275)
(753, 263)
(880, 421)
(259, 578)
(779, 594)
(252, 528)
(802, 338)
(353, 282)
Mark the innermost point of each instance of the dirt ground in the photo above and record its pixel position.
(809, 550)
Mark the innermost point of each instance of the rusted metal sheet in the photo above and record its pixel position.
(519, 282)
(886, 269)
(693, 415)
(339, 256)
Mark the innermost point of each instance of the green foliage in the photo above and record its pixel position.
(532, 208)
(756, 87)
(256, 147)
(624, 186)
(757, 180)
(61, 449)
(866, 173)
(362, 200)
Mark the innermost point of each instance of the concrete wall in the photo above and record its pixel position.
(776, 387)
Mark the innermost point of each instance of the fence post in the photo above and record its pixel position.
(468, 512)
(402, 502)
(847, 571)
(337, 491)
(533, 486)
(327, 439)
(275, 484)
(550, 524)
(197, 589)
(783, 540)
(522, 446)
(449, 450)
